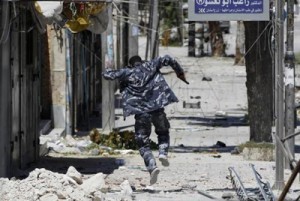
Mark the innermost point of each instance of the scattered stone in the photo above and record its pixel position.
(189, 186)
(221, 114)
(206, 78)
(94, 152)
(78, 194)
(124, 152)
(195, 97)
(69, 141)
(82, 145)
(126, 188)
(227, 196)
(74, 174)
(94, 183)
(49, 197)
(56, 146)
(98, 196)
(105, 154)
(235, 151)
(149, 188)
(70, 150)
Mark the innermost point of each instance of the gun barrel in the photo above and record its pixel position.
(186, 82)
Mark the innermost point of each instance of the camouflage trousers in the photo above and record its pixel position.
(143, 124)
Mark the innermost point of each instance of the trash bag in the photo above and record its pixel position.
(49, 8)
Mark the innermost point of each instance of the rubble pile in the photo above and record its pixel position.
(44, 185)
(94, 144)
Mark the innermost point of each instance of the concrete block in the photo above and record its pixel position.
(191, 104)
(59, 116)
(258, 153)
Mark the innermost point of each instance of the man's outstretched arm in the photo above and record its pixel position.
(110, 74)
(169, 61)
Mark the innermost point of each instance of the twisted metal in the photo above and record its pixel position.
(261, 192)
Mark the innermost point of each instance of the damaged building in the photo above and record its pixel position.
(51, 58)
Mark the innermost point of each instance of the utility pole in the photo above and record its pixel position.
(191, 45)
(290, 82)
(108, 98)
(118, 35)
(154, 29)
(279, 105)
(149, 30)
(180, 17)
(125, 31)
(133, 28)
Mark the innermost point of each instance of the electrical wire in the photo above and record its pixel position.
(122, 17)
(148, 4)
(260, 35)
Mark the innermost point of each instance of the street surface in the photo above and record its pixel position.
(223, 103)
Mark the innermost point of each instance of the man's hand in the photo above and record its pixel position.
(182, 77)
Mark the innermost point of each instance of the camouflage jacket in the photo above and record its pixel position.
(144, 87)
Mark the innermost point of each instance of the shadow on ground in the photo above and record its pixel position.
(93, 165)
(212, 149)
(215, 121)
(191, 149)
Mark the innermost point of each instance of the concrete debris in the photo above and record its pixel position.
(195, 97)
(124, 152)
(86, 146)
(220, 114)
(94, 152)
(74, 174)
(259, 153)
(206, 79)
(44, 185)
(49, 197)
(126, 188)
(94, 183)
(82, 145)
(196, 104)
(228, 196)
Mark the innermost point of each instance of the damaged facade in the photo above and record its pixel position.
(50, 73)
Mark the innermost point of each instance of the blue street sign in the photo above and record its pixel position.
(200, 10)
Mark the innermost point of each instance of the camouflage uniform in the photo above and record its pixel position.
(145, 93)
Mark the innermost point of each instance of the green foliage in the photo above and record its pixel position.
(117, 140)
(297, 58)
(252, 144)
(92, 146)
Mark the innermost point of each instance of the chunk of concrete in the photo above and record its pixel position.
(74, 174)
(258, 154)
(94, 183)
